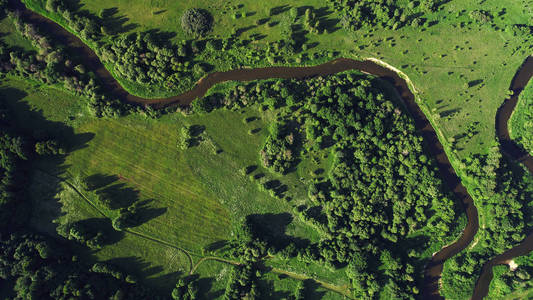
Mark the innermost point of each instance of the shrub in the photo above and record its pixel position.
(196, 21)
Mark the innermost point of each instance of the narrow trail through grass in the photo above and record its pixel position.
(344, 290)
(155, 240)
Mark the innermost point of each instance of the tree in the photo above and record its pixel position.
(196, 21)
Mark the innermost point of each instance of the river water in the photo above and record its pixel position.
(508, 147)
(447, 173)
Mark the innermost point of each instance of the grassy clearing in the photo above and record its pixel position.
(283, 286)
(462, 73)
(461, 69)
(521, 123)
(12, 38)
(165, 15)
(138, 159)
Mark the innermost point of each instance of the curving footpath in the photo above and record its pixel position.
(371, 66)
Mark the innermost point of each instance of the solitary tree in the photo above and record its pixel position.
(196, 21)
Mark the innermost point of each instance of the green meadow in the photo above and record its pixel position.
(461, 72)
(521, 122)
(194, 197)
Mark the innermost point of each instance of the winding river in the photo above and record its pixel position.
(511, 149)
(434, 267)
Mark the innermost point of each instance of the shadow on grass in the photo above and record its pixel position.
(271, 228)
(117, 194)
(45, 188)
(115, 23)
(42, 184)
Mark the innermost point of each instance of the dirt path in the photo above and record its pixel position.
(132, 232)
(401, 82)
(378, 68)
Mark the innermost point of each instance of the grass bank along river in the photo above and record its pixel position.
(510, 148)
(434, 267)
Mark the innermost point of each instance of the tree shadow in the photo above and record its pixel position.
(160, 36)
(279, 9)
(133, 264)
(97, 181)
(311, 290)
(114, 23)
(474, 82)
(42, 185)
(92, 226)
(330, 24)
(240, 31)
(299, 35)
(144, 213)
(450, 112)
(262, 21)
(216, 245)
(258, 36)
(271, 228)
(268, 290)
(118, 195)
(197, 130)
(205, 285)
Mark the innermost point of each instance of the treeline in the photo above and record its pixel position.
(142, 58)
(148, 65)
(53, 64)
(503, 194)
(89, 27)
(279, 151)
(255, 241)
(380, 190)
(387, 14)
(16, 151)
(521, 125)
(33, 267)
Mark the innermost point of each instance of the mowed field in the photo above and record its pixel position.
(193, 198)
(521, 122)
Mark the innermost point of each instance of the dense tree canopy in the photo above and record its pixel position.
(380, 190)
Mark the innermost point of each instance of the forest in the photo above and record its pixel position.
(328, 187)
(380, 193)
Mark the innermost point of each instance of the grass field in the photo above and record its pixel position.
(461, 71)
(521, 122)
(12, 38)
(191, 204)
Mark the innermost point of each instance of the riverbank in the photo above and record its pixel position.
(228, 76)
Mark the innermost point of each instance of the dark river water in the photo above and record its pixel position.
(519, 82)
(447, 173)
